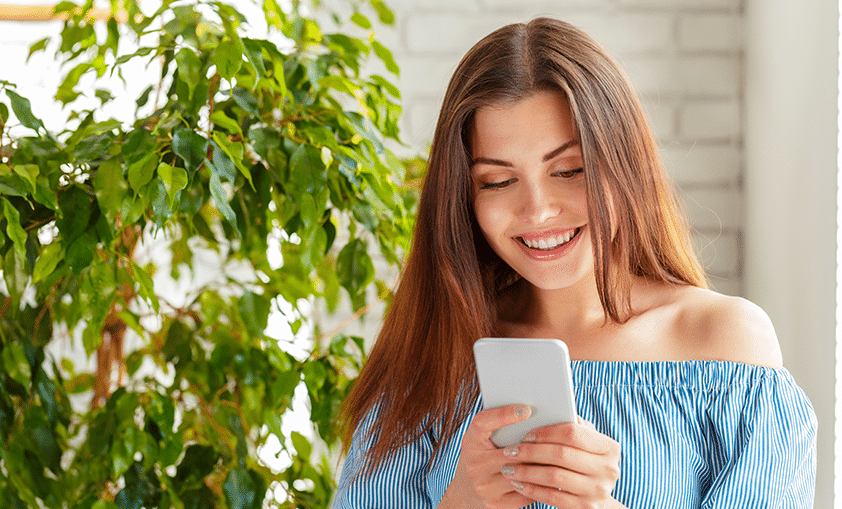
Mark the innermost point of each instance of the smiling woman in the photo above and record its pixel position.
(546, 213)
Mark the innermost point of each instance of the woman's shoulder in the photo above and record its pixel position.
(721, 327)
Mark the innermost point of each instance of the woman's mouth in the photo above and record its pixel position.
(551, 243)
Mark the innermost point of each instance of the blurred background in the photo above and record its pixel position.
(743, 96)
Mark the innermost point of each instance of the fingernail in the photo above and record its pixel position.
(511, 450)
(529, 437)
(507, 470)
(523, 411)
(517, 485)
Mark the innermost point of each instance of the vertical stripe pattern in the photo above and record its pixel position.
(694, 434)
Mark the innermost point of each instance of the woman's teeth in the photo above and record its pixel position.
(550, 243)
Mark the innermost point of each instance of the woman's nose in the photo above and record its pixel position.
(539, 203)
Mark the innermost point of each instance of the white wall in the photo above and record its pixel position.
(790, 193)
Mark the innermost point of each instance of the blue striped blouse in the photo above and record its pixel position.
(694, 434)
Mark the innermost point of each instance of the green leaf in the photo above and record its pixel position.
(175, 179)
(387, 17)
(45, 194)
(23, 111)
(12, 185)
(234, 151)
(93, 147)
(16, 364)
(162, 211)
(50, 257)
(387, 85)
(385, 55)
(131, 320)
(141, 171)
(66, 92)
(361, 21)
(354, 267)
(307, 170)
(143, 489)
(190, 147)
(144, 97)
(228, 58)
(223, 166)
(138, 142)
(14, 230)
(307, 209)
(255, 310)
(246, 101)
(142, 52)
(240, 490)
(146, 286)
(75, 206)
(79, 253)
(254, 53)
(14, 275)
(341, 83)
(220, 198)
(47, 395)
(29, 173)
(189, 68)
(198, 463)
(37, 46)
(110, 188)
(363, 126)
(302, 445)
(47, 447)
(219, 118)
(91, 339)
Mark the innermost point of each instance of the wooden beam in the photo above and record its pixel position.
(46, 12)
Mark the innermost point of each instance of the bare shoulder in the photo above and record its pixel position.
(726, 328)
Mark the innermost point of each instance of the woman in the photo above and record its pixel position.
(546, 213)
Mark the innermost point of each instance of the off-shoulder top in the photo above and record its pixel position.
(694, 434)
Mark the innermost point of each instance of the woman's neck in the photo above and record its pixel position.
(566, 309)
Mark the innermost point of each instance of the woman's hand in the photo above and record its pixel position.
(479, 481)
(570, 465)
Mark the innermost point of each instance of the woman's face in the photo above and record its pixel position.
(529, 189)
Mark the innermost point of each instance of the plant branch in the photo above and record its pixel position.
(40, 223)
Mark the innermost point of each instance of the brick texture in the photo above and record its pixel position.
(710, 32)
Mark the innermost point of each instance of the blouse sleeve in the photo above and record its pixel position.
(762, 445)
(398, 482)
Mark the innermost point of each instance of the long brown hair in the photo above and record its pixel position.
(421, 366)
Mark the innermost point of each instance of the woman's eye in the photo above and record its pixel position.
(497, 185)
(569, 174)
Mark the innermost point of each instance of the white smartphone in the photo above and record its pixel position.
(525, 371)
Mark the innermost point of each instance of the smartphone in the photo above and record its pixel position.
(525, 371)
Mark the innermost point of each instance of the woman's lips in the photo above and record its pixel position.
(546, 246)
(549, 242)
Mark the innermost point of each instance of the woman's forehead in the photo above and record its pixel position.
(538, 124)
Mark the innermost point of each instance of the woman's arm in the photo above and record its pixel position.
(398, 481)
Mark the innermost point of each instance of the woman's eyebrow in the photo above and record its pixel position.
(547, 157)
(552, 154)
